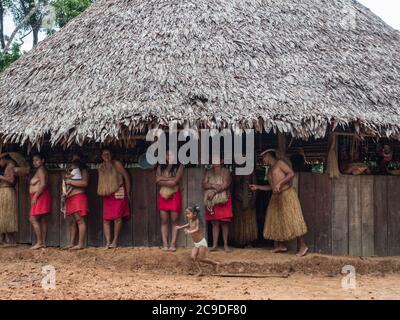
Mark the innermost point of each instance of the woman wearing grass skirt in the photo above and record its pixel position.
(284, 219)
(8, 199)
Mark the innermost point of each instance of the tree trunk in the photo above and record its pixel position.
(2, 42)
(35, 36)
(20, 25)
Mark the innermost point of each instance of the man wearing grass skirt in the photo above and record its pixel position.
(284, 219)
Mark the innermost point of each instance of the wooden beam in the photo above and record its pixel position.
(282, 144)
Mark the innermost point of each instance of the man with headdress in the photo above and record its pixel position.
(284, 219)
(8, 199)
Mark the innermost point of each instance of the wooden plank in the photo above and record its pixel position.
(195, 196)
(323, 214)
(367, 214)
(154, 233)
(307, 194)
(140, 200)
(53, 219)
(64, 223)
(393, 216)
(182, 237)
(95, 217)
(126, 236)
(340, 216)
(23, 199)
(380, 216)
(355, 223)
(251, 275)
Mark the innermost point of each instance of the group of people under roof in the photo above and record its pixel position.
(382, 163)
(284, 218)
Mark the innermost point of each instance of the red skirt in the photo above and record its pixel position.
(43, 204)
(172, 204)
(77, 203)
(222, 212)
(114, 209)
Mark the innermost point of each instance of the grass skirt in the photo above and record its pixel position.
(284, 219)
(244, 229)
(8, 211)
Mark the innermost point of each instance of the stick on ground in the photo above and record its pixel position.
(250, 275)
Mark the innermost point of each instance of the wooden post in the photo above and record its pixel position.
(282, 144)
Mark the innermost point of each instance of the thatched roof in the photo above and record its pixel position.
(297, 66)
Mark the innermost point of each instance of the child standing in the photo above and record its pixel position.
(200, 250)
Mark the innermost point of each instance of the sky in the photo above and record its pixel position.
(388, 10)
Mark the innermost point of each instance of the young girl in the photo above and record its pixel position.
(200, 250)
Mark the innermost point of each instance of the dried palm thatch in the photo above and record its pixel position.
(123, 66)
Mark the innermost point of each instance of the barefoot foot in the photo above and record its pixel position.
(37, 246)
(280, 250)
(302, 252)
(227, 249)
(213, 248)
(78, 247)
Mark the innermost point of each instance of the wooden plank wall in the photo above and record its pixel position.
(352, 215)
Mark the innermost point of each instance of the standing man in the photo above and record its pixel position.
(284, 219)
(8, 199)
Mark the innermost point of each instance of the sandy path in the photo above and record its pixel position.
(94, 278)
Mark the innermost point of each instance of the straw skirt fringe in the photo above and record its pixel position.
(8, 211)
(284, 219)
(245, 226)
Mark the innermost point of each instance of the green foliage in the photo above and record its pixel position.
(7, 58)
(66, 10)
(63, 11)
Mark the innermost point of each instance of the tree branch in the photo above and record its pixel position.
(20, 25)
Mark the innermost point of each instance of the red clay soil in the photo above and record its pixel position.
(149, 273)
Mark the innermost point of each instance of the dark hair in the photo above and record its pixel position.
(39, 155)
(79, 164)
(174, 168)
(78, 153)
(194, 208)
(105, 148)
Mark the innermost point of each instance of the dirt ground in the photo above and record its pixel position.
(148, 273)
